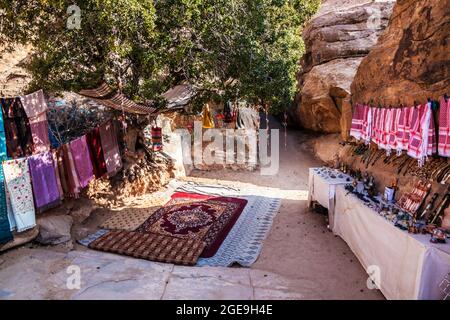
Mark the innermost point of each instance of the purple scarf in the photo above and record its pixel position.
(43, 178)
(82, 160)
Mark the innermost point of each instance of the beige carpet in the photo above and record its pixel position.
(128, 219)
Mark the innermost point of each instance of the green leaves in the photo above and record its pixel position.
(228, 49)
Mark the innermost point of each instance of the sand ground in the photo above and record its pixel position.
(300, 259)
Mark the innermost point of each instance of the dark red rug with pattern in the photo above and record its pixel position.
(196, 217)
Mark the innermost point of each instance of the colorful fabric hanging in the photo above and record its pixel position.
(57, 175)
(208, 122)
(35, 106)
(5, 225)
(403, 129)
(39, 132)
(45, 185)
(444, 128)
(96, 151)
(157, 144)
(82, 161)
(108, 137)
(228, 116)
(367, 124)
(18, 182)
(63, 176)
(356, 129)
(71, 176)
(422, 137)
(19, 140)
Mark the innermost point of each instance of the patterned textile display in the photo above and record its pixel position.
(356, 129)
(129, 219)
(5, 226)
(157, 139)
(35, 106)
(208, 121)
(70, 173)
(366, 134)
(108, 137)
(96, 151)
(194, 216)
(150, 246)
(423, 138)
(44, 181)
(444, 128)
(18, 182)
(19, 140)
(12, 220)
(82, 160)
(41, 140)
(403, 129)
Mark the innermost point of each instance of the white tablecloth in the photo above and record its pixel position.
(322, 188)
(411, 267)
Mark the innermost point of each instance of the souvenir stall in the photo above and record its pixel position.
(398, 226)
(53, 153)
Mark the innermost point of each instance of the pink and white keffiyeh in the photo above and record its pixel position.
(444, 128)
(403, 128)
(367, 124)
(422, 141)
(391, 125)
(357, 121)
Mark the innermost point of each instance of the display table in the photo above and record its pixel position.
(411, 267)
(322, 187)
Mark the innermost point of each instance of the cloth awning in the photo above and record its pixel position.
(179, 96)
(104, 95)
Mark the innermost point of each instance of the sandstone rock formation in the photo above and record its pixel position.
(336, 39)
(13, 77)
(411, 61)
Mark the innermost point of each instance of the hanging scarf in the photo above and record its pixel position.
(5, 225)
(63, 176)
(43, 178)
(73, 184)
(35, 106)
(375, 125)
(367, 124)
(57, 175)
(227, 113)
(108, 137)
(156, 139)
(208, 121)
(444, 128)
(96, 151)
(19, 140)
(39, 132)
(421, 141)
(391, 138)
(356, 129)
(18, 182)
(82, 161)
(403, 129)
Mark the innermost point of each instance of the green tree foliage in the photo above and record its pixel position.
(228, 49)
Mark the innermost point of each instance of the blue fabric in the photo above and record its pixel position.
(53, 141)
(5, 228)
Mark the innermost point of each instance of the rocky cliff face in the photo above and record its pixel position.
(337, 39)
(411, 61)
(13, 77)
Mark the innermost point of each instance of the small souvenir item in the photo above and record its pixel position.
(389, 194)
(438, 236)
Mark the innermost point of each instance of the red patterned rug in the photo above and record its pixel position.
(196, 217)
